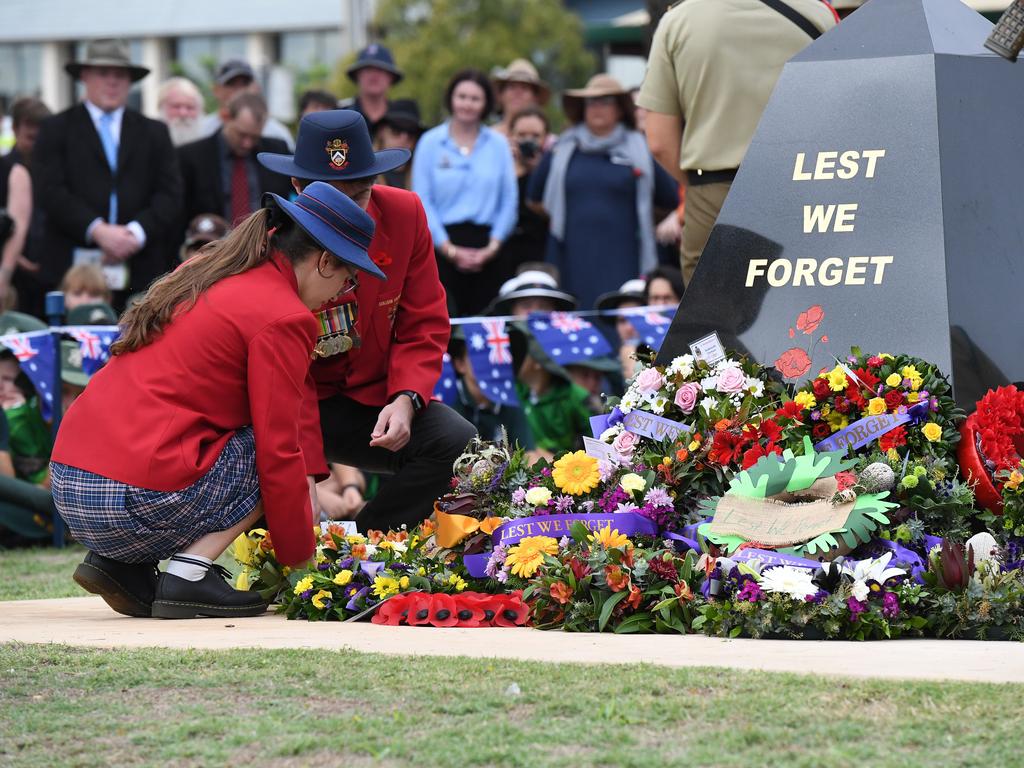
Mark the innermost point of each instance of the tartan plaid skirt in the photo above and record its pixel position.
(136, 525)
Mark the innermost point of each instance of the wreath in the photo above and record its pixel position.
(992, 444)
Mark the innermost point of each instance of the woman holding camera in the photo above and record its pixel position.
(528, 135)
(464, 174)
(600, 187)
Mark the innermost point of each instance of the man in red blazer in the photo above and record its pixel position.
(382, 346)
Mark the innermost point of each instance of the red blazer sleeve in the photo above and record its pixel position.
(421, 326)
(278, 364)
(310, 436)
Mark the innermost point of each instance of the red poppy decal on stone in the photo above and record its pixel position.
(809, 320)
(793, 363)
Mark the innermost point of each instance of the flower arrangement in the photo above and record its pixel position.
(878, 385)
(603, 580)
(466, 609)
(1012, 482)
(993, 444)
(260, 572)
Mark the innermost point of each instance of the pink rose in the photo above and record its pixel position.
(686, 397)
(624, 444)
(731, 380)
(649, 380)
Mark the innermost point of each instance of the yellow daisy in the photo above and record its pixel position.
(576, 473)
(608, 538)
(526, 557)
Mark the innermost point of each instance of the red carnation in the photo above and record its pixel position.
(895, 438)
(726, 448)
(821, 389)
(793, 363)
(821, 430)
(867, 378)
(842, 404)
(893, 399)
(771, 430)
(756, 453)
(875, 362)
(809, 320)
(789, 410)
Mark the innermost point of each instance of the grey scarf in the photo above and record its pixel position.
(625, 147)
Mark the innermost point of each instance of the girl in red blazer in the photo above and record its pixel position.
(193, 430)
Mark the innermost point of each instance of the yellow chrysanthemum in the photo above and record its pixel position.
(242, 582)
(356, 538)
(526, 557)
(343, 577)
(913, 397)
(805, 400)
(576, 473)
(836, 379)
(385, 586)
(916, 380)
(932, 431)
(320, 599)
(403, 583)
(608, 538)
(893, 455)
(305, 583)
(837, 421)
(876, 405)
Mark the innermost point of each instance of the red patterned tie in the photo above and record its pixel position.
(239, 191)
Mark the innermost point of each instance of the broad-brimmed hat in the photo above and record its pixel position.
(334, 145)
(71, 371)
(97, 313)
(107, 53)
(334, 221)
(631, 290)
(377, 56)
(599, 85)
(19, 322)
(523, 71)
(205, 228)
(233, 68)
(403, 114)
(531, 284)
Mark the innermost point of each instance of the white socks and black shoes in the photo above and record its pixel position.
(193, 587)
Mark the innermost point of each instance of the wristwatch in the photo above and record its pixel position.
(417, 401)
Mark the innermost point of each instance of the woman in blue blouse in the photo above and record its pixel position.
(600, 185)
(464, 174)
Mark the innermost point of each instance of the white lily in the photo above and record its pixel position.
(873, 570)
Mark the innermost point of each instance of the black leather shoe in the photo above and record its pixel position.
(128, 588)
(212, 595)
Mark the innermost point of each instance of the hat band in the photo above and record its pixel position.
(325, 213)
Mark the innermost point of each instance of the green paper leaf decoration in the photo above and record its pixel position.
(767, 477)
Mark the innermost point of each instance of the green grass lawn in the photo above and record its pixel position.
(43, 572)
(65, 706)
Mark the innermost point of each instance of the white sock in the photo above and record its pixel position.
(189, 566)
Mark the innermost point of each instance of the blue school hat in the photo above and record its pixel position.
(377, 56)
(334, 221)
(334, 145)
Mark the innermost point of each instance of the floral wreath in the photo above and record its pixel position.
(993, 444)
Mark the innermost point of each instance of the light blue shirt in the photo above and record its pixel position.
(479, 187)
(96, 114)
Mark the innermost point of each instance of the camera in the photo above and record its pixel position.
(528, 149)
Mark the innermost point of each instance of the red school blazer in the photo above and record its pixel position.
(402, 322)
(159, 417)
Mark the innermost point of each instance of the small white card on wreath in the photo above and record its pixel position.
(708, 348)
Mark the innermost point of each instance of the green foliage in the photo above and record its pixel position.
(432, 41)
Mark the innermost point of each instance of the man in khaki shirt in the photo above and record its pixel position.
(712, 67)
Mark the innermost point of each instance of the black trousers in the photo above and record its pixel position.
(420, 472)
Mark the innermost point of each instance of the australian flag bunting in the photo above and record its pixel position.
(95, 341)
(37, 355)
(445, 391)
(651, 326)
(490, 355)
(568, 338)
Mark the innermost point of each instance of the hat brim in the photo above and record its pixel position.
(384, 160)
(573, 105)
(74, 378)
(615, 299)
(542, 89)
(403, 124)
(326, 236)
(135, 72)
(503, 305)
(391, 69)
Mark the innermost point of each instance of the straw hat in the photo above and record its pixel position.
(523, 71)
(107, 53)
(599, 85)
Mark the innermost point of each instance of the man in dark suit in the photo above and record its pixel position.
(220, 172)
(106, 179)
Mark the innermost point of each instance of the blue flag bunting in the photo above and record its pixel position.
(651, 326)
(37, 356)
(568, 338)
(445, 390)
(490, 356)
(95, 341)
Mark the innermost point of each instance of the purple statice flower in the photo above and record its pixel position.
(659, 515)
(496, 561)
(658, 497)
(890, 605)
(751, 591)
(628, 506)
(499, 475)
(519, 496)
(563, 504)
(856, 607)
(612, 498)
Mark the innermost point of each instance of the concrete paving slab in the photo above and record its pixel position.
(87, 621)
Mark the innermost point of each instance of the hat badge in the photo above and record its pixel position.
(337, 152)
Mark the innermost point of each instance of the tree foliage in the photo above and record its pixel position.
(433, 40)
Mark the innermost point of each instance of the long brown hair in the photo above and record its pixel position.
(245, 247)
